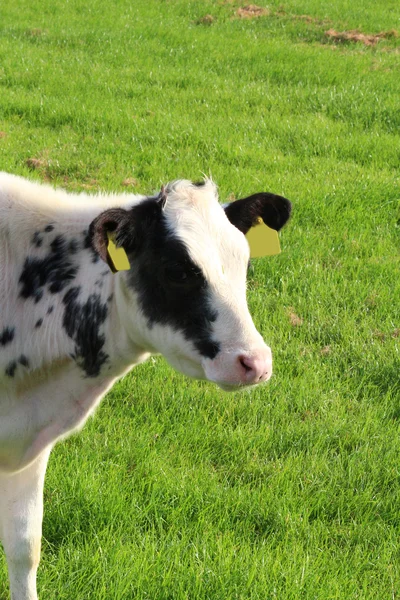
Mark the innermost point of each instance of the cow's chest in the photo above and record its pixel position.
(43, 407)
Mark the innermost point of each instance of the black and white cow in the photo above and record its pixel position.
(70, 327)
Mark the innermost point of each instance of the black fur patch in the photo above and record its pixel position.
(171, 288)
(87, 244)
(23, 361)
(7, 335)
(58, 244)
(274, 211)
(37, 241)
(82, 322)
(49, 228)
(87, 240)
(38, 323)
(13, 364)
(56, 270)
(10, 369)
(50, 310)
(73, 246)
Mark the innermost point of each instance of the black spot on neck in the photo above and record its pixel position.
(37, 240)
(7, 335)
(82, 322)
(87, 244)
(56, 270)
(10, 368)
(38, 323)
(23, 361)
(58, 244)
(13, 364)
(73, 246)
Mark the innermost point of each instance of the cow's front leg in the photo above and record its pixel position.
(21, 513)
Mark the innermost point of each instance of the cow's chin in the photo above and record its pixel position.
(195, 370)
(232, 387)
(187, 366)
(229, 387)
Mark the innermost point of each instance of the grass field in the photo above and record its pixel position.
(176, 490)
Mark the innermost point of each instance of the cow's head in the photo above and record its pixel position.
(186, 289)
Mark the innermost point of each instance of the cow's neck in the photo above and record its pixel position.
(127, 327)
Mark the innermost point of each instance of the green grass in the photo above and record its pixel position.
(176, 490)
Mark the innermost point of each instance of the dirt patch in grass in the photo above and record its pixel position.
(206, 20)
(252, 11)
(309, 19)
(381, 336)
(42, 166)
(295, 320)
(325, 351)
(356, 36)
(2, 134)
(50, 170)
(306, 18)
(36, 164)
(35, 33)
(92, 184)
(88, 184)
(130, 182)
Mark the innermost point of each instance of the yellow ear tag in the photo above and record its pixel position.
(263, 240)
(117, 256)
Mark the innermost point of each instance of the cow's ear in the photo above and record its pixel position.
(115, 221)
(245, 213)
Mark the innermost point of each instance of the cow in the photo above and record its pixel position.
(72, 323)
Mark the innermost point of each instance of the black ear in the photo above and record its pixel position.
(244, 214)
(115, 220)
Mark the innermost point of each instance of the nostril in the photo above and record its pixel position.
(254, 368)
(245, 365)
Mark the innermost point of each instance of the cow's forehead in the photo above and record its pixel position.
(194, 215)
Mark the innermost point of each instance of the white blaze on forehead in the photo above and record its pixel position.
(195, 216)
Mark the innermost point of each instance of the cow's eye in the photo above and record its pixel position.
(177, 273)
(184, 274)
